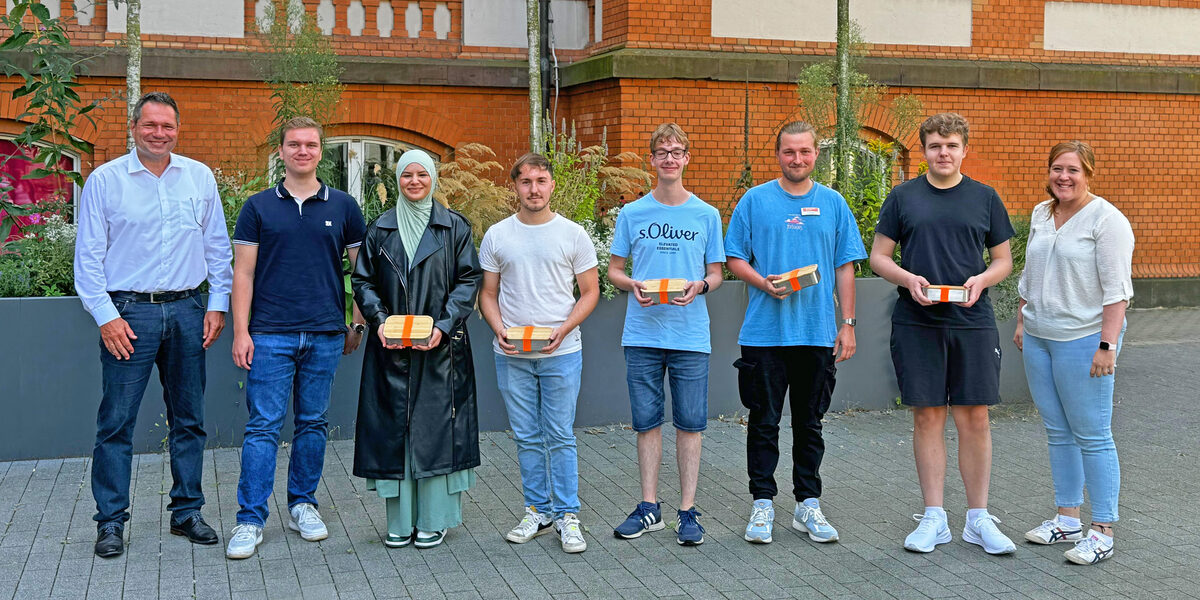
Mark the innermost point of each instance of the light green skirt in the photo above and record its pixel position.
(429, 504)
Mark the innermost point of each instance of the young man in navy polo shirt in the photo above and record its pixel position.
(288, 245)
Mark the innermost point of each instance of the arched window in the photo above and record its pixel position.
(361, 163)
(21, 191)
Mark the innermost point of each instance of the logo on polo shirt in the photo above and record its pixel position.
(794, 222)
(329, 223)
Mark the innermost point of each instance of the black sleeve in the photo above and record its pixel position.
(464, 285)
(363, 281)
(889, 217)
(1001, 228)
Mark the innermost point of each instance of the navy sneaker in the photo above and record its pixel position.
(690, 532)
(646, 517)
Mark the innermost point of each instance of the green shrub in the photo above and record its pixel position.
(1004, 295)
(42, 262)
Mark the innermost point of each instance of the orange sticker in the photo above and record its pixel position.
(406, 334)
(662, 291)
(527, 346)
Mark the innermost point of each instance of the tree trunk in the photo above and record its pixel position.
(133, 70)
(534, 29)
(846, 139)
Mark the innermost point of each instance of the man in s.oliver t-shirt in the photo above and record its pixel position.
(790, 341)
(669, 233)
(947, 354)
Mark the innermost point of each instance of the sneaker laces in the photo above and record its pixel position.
(987, 520)
(760, 515)
(815, 514)
(1089, 545)
(927, 522)
(530, 522)
(308, 515)
(244, 532)
(568, 526)
(688, 516)
(641, 510)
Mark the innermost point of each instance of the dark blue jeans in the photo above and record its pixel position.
(299, 366)
(169, 336)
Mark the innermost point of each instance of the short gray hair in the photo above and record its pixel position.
(158, 98)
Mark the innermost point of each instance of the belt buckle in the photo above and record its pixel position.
(154, 297)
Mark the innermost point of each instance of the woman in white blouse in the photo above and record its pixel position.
(1074, 291)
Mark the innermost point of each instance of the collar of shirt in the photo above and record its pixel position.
(321, 194)
(135, 164)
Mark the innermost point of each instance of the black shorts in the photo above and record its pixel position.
(937, 366)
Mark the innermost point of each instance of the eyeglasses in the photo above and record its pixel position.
(676, 153)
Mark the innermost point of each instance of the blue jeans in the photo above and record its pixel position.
(299, 366)
(169, 335)
(540, 396)
(645, 369)
(1077, 411)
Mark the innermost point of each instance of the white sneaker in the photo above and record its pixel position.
(571, 533)
(932, 531)
(532, 525)
(1052, 532)
(245, 540)
(307, 521)
(983, 532)
(1090, 550)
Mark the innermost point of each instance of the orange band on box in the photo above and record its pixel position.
(795, 283)
(527, 344)
(662, 291)
(406, 334)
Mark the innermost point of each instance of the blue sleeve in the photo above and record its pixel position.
(889, 217)
(1001, 227)
(621, 244)
(737, 237)
(850, 243)
(715, 252)
(356, 227)
(248, 225)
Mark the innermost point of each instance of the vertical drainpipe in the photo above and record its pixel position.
(547, 83)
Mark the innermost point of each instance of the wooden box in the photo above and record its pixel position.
(797, 279)
(529, 339)
(662, 291)
(408, 330)
(946, 293)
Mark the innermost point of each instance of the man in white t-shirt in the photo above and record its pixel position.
(532, 262)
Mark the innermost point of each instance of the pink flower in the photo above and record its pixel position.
(35, 219)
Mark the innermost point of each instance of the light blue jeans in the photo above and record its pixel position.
(540, 395)
(1077, 411)
(287, 366)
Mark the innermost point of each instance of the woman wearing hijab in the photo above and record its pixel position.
(1074, 291)
(417, 436)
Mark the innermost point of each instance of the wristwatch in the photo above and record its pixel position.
(851, 321)
(1105, 345)
(705, 289)
(358, 328)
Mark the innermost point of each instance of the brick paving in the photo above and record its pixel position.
(871, 491)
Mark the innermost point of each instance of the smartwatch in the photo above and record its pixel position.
(705, 289)
(1105, 345)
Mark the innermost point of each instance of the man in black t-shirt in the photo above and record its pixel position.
(947, 354)
(289, 329)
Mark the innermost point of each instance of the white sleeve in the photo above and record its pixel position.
(487, 251)
(1114, 257)
(585, 252)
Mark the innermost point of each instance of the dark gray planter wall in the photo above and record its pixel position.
(50, 375)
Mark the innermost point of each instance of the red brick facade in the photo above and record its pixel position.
(1146, 141)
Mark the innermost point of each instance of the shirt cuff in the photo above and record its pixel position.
(218, 302)
(106, 312)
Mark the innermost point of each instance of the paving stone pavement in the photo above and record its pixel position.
(871, 491)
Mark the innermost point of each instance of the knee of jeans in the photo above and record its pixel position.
(1098, 443)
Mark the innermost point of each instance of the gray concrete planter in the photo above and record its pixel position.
(50, 375)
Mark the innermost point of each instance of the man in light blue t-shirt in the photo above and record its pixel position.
(791, 340)
(668, 234)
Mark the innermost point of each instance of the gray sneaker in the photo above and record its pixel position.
(245, 540)
(307, 521)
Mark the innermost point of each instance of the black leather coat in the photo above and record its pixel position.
(426, 399)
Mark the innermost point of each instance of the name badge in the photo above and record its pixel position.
(810, 211)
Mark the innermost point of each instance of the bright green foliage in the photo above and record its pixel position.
(42, 262)
(1004, 294)
(52, 106)
(235, 188)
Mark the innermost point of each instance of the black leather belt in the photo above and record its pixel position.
(153, 297)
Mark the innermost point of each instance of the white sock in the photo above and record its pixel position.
(975, 513)
(1107, 539)
(1068, 522)
(937, 511)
